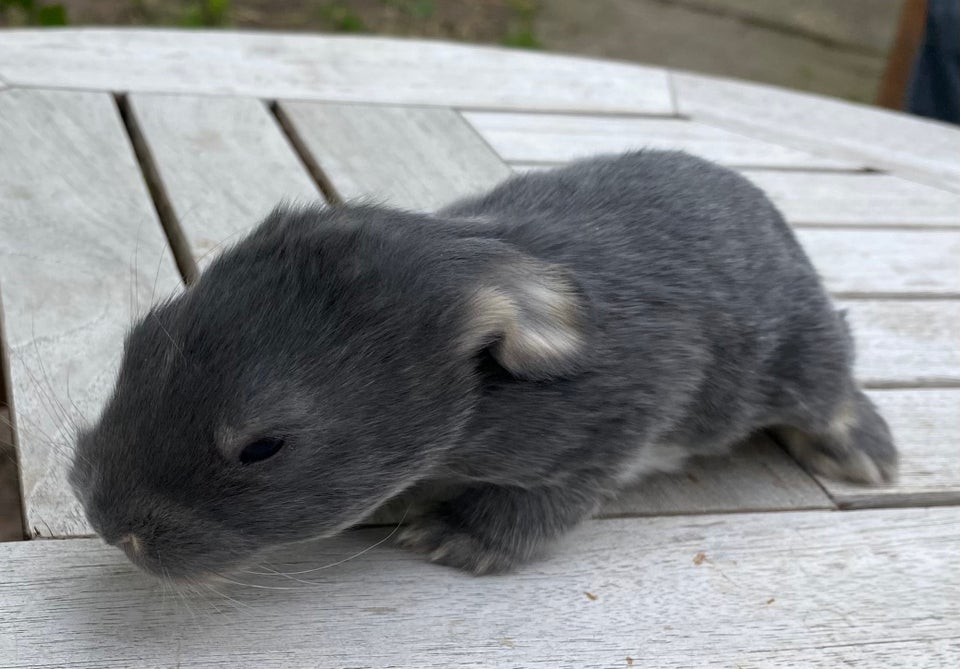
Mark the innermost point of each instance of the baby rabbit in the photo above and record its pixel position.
(540, 347)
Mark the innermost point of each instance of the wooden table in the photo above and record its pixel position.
(109, 139)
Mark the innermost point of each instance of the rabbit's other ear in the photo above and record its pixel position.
(532, 316)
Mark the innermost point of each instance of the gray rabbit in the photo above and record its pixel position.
(539, 347)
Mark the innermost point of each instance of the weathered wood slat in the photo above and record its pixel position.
(817, 588)
(906, 342)
(223, 163)
(419, 158)
(926, 426)
(918, 148)
(875, 262)
(82, 251)
(872, 200)
(334, 68)
(557, 138)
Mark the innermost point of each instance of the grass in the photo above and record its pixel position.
(31, 12)
(507, 22)
(521, 33)
(341, 18)
(418, 9)
(206, 14)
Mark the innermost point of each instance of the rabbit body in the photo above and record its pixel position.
(536, 349)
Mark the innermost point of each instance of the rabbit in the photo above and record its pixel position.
(538, 348)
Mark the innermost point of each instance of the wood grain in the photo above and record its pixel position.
(910, 146)
(872, 200)
(223, 164)
(558, 138)
(895, 263)
(332, 68)
(82, 253)
(417, 158)
(906, 342)
(816, 588)
(926, 427)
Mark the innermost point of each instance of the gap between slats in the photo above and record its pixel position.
(298, 148)
(304, 155)
(176, 239)
(11, 491)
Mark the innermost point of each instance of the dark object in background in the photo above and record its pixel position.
(903, 52)
(923, 70)
(935, 85)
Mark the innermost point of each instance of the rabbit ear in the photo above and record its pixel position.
(532, 316)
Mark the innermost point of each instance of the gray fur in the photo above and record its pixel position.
(538, 347)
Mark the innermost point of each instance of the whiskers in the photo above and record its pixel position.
(293, 575)
(42, 417)
(173, 342)
(214, 594)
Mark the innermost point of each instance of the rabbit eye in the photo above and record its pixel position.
(261, 449)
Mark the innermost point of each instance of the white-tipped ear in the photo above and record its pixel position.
(532, 316)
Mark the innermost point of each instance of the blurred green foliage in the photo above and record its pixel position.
(418, 9)
(422, 9)
(521, 31)
(206, 14)
(35, 13)
(341, 18)
(508, 22)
